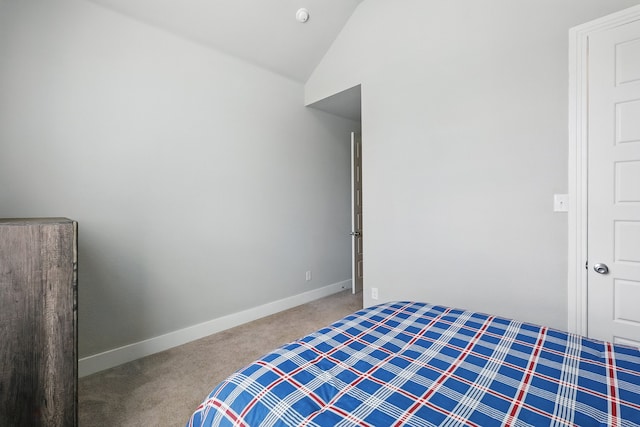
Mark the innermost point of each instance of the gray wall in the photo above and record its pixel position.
(464, 121)
(201, 184)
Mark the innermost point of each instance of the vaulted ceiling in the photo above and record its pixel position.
(263, 32)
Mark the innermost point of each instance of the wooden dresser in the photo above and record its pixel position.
(38, 322)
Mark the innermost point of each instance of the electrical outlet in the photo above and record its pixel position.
(308, 276)
(374, 293)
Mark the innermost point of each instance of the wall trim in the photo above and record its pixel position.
(108, 359)
(578, 162)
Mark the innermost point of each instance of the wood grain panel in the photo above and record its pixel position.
(38, 356)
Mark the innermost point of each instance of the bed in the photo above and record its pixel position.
(417, 364)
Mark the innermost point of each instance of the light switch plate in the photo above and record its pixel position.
(561, 203)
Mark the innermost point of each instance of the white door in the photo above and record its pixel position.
(356, 212)
(613, 225)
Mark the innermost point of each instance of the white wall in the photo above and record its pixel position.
(201, 184)
(464, 121)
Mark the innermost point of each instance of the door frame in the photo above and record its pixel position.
(578, 162)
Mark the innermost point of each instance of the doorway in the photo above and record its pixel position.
(348, 104)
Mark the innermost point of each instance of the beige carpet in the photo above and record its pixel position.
(165, 388)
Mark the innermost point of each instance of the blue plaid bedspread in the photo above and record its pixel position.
(415, 364)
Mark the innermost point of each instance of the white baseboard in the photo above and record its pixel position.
(108, 359)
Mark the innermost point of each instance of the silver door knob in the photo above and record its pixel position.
(355, 233)
(601, 268)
